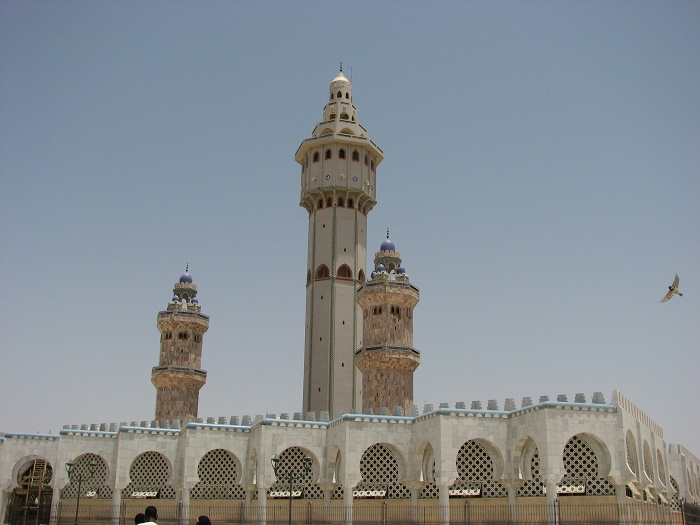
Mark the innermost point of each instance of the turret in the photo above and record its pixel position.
(387, 358)
(179, 377)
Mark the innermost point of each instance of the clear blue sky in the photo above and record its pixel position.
(541, 180)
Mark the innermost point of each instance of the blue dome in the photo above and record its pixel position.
(185, 278)
(387, 246)
(380, 268)
(194, 300)
(401, 270)
(175, 299)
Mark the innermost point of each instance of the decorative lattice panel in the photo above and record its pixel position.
(430, 491)
(219, 473)
(581, 466)
(674, 502)
(475, 473)
(379, 468)
(338, 492)
(91, 484)
(648, 467)
(631, 452)
(291, 462)
(149, 473)
(533, 487)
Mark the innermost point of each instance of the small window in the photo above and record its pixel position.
(347, 95)
(341, 202)
(332, 96)
(372, 166)
(341, 154)
(308, 277)
(331, 116)
(328, 155)
(329, 202)
(366, 160)
(340, 94)
(322, 272)
(320, 204)
(344, 116)
(356, 156)
(350, 203)
(361, 276)
(344, 272)
(316, 156)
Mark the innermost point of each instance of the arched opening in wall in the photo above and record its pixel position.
(377, 310)
(30, 502)
(308, 277)
(331, 116)
(648, 467)
(328, 154)
(341, 202)
(292, 460)
(332, 96)
(344, 272)
(356, 156)
(316, 156)
(341, 154)
(351, 204)
(326, 132)
(183, 335)
(346, 131)
(322, 272)
(661, 468)
(631, 452)
(347, 95)
(366, 160)
(320, 204)
(382, 469)
(329, 202)
(372, 165)
(95, 484)
(340, 94)
(361, 273)
(475, 473)
(219, 474)
(582, 465)
(150, 474)
(197, 338)
(344, 116)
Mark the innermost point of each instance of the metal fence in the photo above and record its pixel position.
(376, 512)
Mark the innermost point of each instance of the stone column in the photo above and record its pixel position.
(116, 505)
(328, 489)
(262, 505)
(185, 505)
(53, 513)
(444, 502)
(513, 487)
(249, 492)
(348, 486)
(415, 489)
(621, 498)
(551, 499)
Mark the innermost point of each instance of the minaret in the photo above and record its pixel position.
(387, 359)
(178, 376)
(338, 189)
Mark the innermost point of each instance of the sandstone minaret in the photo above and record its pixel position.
(178, 376)
(338, 189)
(387, 358)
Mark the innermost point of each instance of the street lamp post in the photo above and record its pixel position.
(291, 476)
(80, 477)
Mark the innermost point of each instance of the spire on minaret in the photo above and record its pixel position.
(341, 67)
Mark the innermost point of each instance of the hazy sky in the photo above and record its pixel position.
(541, 180)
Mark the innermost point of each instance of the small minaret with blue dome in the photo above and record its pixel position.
(387, 358)
(179, 377)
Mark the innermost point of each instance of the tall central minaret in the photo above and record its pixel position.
(338, 189)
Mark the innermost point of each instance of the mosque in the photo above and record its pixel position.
(359, 450)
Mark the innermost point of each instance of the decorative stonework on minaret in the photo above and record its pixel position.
(178, 376)
(338, 189)
(387, 358)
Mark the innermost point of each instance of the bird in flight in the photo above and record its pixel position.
(672, 290)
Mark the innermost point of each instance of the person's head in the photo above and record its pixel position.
(151, 513)
(203, 520)
(139, 518)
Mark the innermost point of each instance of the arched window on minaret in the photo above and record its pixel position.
(329, 202)
(351, 204)
(356, 156)
(328, 154)
(341, 154)
(340, 94)
(347, 95)
(372, 166)
(341, 202)
(323, 272)
(316, 156)
(344, 116)
(320, 204)
(366, 160)
(308, 277)
(344, 272)
(361, 276)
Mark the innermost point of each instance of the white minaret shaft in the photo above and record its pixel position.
(338, 189)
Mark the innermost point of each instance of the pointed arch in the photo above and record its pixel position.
(322, 272)
(316, 156)
(328, 154)
(356, 156)
(326, 132)
(361, 273)
(344, 272)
